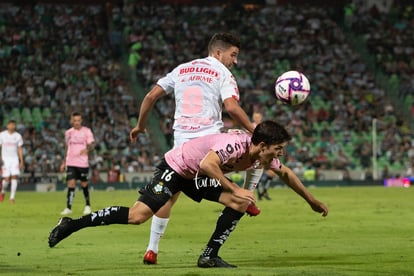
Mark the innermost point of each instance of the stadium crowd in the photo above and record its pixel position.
(345, 98)
(58, 59)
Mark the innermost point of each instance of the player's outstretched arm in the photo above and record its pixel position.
(238, 114)
(290, 178)
(210, 166)
(146, 106)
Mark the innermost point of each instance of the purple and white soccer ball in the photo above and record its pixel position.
(292, 88)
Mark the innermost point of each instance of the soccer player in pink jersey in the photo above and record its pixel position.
(198, 168)
(200, 87)
(79, 141)
(11, 143)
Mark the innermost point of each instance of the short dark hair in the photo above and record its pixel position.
(75, 113)
(224, 41)
(11, 121)
(270, 133)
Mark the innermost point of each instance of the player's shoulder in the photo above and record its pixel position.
(218, 65)
(237, 135)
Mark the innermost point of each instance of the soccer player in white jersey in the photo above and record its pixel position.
(79, 141)
(11, 143)
(200, 87)
(198, 168)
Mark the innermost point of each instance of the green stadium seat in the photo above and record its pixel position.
(133, 122)
(26, 115)
(46, 112)
(408, 100)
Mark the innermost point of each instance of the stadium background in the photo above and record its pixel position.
(100, 57)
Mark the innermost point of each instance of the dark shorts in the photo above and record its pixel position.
(77, 173)
(166, 182)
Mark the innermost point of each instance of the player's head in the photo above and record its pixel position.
(76, 120)
(11, 126)
(257, 117)
(225, 47)
(270, 140)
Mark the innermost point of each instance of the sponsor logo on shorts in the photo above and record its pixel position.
(157, 189)
(205, 182)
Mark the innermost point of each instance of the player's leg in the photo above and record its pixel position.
(6, 182)
(13, 188)
(85, 187)
(250, 182)
(158, 226)
(252, 178)
(15, 172)
(152, 198)
(226, 223)
(137, 214)
(1, 188)
(71, 185)
(266, 188)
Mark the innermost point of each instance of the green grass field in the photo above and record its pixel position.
(369, 231)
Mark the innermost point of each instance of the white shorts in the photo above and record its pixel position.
(180, 140)
(10, 168)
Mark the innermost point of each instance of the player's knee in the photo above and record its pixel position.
(241, 207)
(137, 217)
(139, 213)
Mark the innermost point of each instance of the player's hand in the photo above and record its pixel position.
(62, 167)
(134, 133)
(245, 194)
(21, 165)
(84, 152)
(319, 207)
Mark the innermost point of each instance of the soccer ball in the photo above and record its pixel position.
(292, 88)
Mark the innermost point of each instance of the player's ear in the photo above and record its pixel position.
(262, 146)
(217, 53)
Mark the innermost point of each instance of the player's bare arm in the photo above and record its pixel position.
(146, 106)
(20, 152)
(63, 165)
(289, 177)
(89, 147)
(238, 114)
(210, 166)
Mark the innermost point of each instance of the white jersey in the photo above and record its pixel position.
(9, 143)
(200, 87)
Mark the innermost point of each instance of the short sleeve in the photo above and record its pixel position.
(90, 139)
(20, 141)
(168, 81)
(276, 164)
(229, 88)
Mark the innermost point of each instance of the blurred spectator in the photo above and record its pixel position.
(346, 176)
(114, 174)
(367, 174)
(75, 67)
(385, 173)
(341, 161)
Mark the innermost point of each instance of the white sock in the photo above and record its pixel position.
(4, 188)
(158, 226)
(252, 178)
(13, 188)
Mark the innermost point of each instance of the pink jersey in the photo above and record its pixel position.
(200, 87)
(232, 148)
(76, 141)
